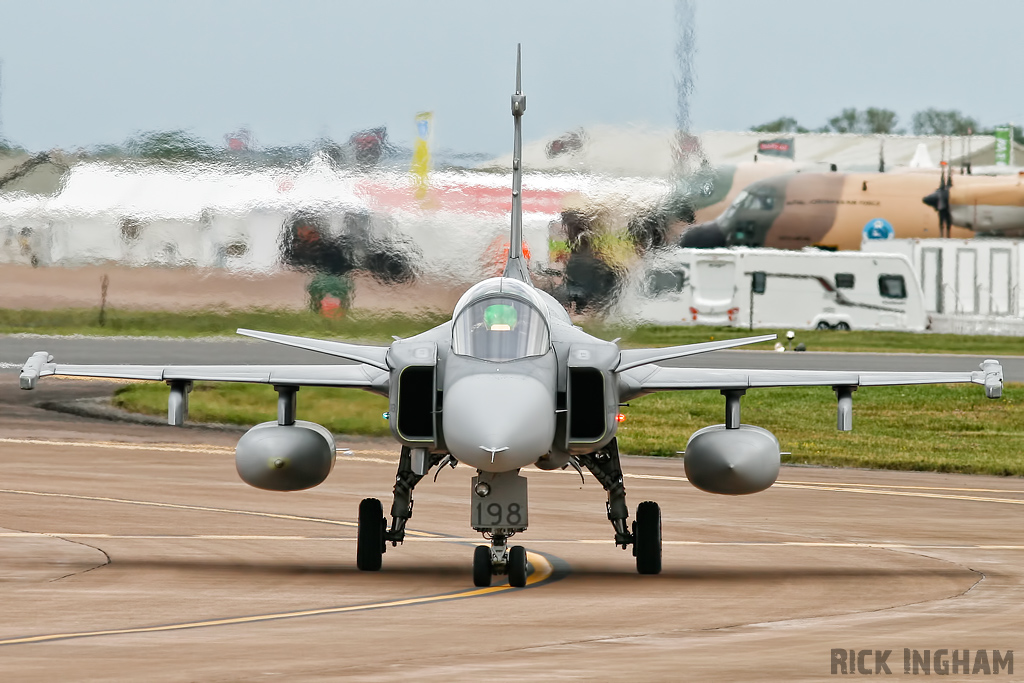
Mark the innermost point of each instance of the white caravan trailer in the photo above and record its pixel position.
(970, 286)
(808, 289)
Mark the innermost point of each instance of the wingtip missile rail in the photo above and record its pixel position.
(33, 368)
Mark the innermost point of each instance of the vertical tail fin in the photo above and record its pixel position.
(516, 266)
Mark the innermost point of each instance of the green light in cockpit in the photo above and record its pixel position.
(500, 317)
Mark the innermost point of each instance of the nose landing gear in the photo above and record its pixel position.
(500, 559)
(499, 509)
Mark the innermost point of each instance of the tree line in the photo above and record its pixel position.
(877, 121)
(183, 146)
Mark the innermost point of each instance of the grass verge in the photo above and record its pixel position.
(369, 327)
(823, 340)
(343, 411)
(359, 325)
(942, 428)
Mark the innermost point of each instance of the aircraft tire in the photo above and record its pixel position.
(370, 535)
(842, 326)
(482, 566)
(517, 569)
(647, 538)
(823, 326)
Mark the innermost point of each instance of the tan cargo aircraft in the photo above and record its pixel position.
(717, 189)
(995, 207)
(837, 210)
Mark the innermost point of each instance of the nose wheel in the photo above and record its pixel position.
(482, 566)
(517, 568)
(500, 559)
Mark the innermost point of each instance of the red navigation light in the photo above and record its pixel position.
(620, 418)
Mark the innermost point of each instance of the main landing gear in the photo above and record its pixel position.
(647, 538)
(370, 543)
(373, 533)
(645, 533)
(499, 511)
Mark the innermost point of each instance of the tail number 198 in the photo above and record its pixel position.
(498, 515)
(503, 504)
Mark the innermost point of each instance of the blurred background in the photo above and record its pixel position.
(340, 158)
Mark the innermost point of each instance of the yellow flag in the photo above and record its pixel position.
(421, 152)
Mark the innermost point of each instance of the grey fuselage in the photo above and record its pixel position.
(501, 414)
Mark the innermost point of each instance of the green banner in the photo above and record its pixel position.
(1004, 146)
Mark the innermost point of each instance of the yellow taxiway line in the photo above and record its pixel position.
(542, 571)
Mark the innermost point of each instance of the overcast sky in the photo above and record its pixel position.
(83, 73)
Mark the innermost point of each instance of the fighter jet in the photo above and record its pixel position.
(507, 384)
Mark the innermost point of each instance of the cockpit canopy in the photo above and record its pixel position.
(499, 325)
(500, 328)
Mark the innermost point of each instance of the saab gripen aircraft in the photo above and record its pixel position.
(831, 210)
(508, 383)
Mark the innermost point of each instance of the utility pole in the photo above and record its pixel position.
(688, 153)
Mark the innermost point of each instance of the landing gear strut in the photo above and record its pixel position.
(373, 533)
(405, 482)
(645, 536)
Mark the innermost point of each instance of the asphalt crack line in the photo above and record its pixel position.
(198, 508)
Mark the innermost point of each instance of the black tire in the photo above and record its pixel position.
(842, 326)
(822, 325)
(482, 566)
(517, 570)
(370, 535)
(647, 538)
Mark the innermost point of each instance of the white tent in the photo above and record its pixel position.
(647, 152)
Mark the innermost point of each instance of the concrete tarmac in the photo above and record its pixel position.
(15, 350)
(135, 553)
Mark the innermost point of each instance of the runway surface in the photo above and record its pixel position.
(135, 553)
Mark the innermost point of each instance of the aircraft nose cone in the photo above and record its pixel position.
(704, 236)
(932, 199)
(498, 421)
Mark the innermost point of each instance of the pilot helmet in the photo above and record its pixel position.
(500, 317)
